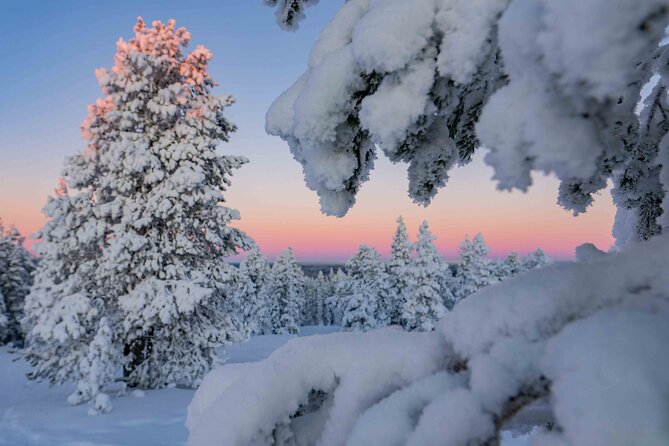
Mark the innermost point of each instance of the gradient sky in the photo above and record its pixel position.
(50, 49)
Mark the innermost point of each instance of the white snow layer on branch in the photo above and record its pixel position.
(289, 13)
(356, 372)
(544, 85)
(591, 337)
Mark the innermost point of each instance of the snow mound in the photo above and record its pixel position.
(301, 380)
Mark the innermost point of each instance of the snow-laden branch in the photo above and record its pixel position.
(289, 13)
(430, 81)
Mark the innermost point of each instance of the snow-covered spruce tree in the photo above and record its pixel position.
(423, 305)
(535, 259)
(365, 291)
(16, 267)
(335, 302)
(152, 235)
(306, 307)
(99, 367)
(164, 258)
(285, 294)
(448, 286)
(475, 270)
(510, 266)
(399, 274)
(64, 307)
(4, 318)
(323, 290)
(240, 306)
(256, 268)
(317, 289)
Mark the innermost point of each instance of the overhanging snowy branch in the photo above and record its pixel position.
(430, 81)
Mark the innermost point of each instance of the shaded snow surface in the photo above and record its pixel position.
(33, 413)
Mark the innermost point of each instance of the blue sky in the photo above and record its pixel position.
(50, 50)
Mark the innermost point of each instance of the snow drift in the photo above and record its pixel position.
(587, 339)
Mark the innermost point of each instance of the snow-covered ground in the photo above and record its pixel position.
(33, 413)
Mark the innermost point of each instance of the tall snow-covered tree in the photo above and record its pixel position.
(475, 270)
(323, 290)
(317, 290)
(399, 274)
(16, 267)
(285, 294)
(336, 301)
(240, 304)
(255, 267)
(365, 291)
(145, 201)
(423, 305)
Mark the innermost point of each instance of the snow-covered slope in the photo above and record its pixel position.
(587, 338)
(33, 413)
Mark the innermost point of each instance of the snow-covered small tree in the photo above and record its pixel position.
(4, 318)
(510, 266)
(99, 369)
(317, 289)
(16, 267)
(475, 270)
(257, 269)
(365, 291)
(399, 274)
(285, 293)
(423, 305)
(323, 290)
(535, 259)
(63, 307)
(335, 302)
(240, 305)
(448, 283)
